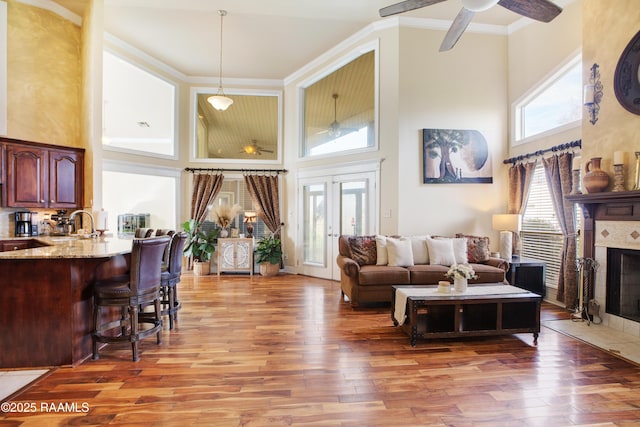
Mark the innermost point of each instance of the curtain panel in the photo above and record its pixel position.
(265, 193)
(205, 188)
(559, 179)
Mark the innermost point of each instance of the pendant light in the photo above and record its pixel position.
(219, 101)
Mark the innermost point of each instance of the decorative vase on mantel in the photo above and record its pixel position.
(460, 285)
(224, 233)
(595, 180)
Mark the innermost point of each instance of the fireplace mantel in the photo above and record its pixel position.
(605, 206)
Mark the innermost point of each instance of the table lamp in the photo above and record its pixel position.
(249, 219)
(509, 226)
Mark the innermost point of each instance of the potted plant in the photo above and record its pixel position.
(200, 246)
(268, 255)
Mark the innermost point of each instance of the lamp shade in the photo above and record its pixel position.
(507, 222)
(250, 216)
(220, 102)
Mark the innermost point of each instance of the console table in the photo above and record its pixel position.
(235, 255)
(483, 310)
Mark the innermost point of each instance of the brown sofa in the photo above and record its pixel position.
(365, 282)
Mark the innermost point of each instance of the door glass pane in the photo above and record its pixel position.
(314, 223)
(353, 208)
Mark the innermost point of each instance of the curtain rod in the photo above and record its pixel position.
(561, 147)
(234, 170)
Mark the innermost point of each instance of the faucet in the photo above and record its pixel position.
(73, 214)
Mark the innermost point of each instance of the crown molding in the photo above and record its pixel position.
(55, 8)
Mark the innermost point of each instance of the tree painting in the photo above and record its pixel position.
(455, 156)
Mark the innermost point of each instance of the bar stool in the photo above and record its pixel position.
(165, 232)
(144, 232)
(132, 293)
(170, 277)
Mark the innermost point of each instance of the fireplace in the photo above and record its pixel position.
(623, 283)
(611, 236)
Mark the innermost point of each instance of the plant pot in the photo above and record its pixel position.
(267, 269)
(201, 268)
(460, 285)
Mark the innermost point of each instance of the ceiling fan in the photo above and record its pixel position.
(254, 149)
(335, 130)
(540, 10)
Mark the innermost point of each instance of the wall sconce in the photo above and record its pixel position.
(509, 226)
(249, 218)
(592, 94)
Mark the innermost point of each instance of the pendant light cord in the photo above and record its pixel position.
(222, 14)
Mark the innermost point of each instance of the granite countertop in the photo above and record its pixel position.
(70, 247)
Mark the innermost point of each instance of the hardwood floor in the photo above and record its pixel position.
(287, 351)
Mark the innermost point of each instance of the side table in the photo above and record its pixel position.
(527, 273)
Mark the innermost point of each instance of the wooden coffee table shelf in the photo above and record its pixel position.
(438, 315)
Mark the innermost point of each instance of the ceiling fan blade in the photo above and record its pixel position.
(405, 6)
(458, 26)
(540, 10)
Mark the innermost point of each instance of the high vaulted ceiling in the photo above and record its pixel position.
(263, 39)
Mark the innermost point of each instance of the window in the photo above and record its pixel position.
(235, 191)
(150, 199)
(138, 111)
(554, 105)
(339, 107)
(541, 236)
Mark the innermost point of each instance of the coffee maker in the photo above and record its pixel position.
(23, 224)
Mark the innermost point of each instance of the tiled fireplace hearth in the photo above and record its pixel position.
(612, 224)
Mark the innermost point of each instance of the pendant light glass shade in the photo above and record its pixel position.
(219, 101)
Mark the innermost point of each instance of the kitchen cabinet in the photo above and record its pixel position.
(42, 176)
(235, 255)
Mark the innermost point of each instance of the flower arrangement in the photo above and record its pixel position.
(461, 271)
(224, 214)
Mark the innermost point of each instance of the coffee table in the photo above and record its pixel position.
(483, 310)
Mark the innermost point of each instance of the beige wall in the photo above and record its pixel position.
(44, 76)
(460, 89)
(608, 27)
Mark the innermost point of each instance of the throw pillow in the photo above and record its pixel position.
(440, 251)
(381, 249)
(477, 248)
(400, 253)
(419, 249)
(460, 250)
(363, 249)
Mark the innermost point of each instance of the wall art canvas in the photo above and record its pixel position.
(454, 156)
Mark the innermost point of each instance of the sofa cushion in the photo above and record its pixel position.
(363, 249)
(382, 257)
(419, 249)
(427, 274)
(487, 274)
(383, 275)
(477, 248)
(440, 251)
(399, 252)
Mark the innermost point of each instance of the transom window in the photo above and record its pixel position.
(554, 105)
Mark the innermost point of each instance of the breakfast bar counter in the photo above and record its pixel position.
(46, 305)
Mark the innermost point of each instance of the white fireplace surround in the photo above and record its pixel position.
(621, 235)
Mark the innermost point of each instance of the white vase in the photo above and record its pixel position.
(460, 285)
(224, 233)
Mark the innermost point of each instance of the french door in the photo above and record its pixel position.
(332, 205)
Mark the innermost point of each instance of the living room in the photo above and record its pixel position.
(471, 87)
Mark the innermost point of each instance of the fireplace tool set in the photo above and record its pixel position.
(590, 311)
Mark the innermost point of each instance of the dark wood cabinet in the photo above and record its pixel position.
(42, 176)
(17, 244)
(66, 178)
